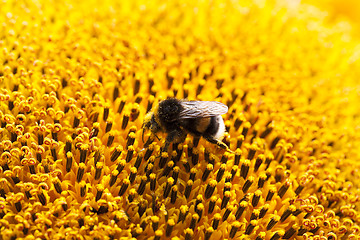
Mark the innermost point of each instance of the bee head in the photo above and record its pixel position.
(150, 124)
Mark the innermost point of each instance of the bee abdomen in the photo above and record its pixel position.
(195, 126)
(216, 128)
(202, 124)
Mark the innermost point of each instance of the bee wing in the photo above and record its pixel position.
(201, 109)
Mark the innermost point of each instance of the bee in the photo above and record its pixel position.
(177, 118)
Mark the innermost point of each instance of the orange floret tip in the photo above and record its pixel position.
(74, 94)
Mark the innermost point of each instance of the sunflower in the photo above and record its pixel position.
(77, 79)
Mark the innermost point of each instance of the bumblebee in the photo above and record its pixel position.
(177, 118)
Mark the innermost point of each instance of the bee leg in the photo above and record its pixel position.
(176, 135)
(148, 141)
(170, 138)
(196, 140)
(218, 142)
(181, 137)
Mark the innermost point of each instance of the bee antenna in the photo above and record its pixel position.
(142, 134)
